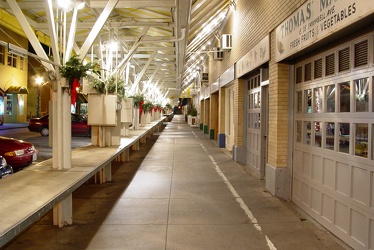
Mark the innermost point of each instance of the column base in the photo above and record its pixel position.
(278, 181)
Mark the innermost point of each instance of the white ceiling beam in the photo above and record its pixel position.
(131, 52)
(89, 25)
(70, 43)
(141, 74)
(111, 4)
(29, 33)
(52, 31)
(134, 4)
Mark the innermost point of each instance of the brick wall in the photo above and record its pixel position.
(221, 110)
(278, 111)
(239, 112)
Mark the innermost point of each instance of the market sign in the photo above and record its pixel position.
(315, 20)
(257, 56)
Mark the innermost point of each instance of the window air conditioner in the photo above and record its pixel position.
(226, 42)
(217, 54)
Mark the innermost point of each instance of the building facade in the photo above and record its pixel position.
(14, 72)
(292, 99)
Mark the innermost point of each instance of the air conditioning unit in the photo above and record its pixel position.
(205, 77)
(217, 54)
(226, 42)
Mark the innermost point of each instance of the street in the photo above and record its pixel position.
(41, 142)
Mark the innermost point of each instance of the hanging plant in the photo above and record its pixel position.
(192, 111)
(110, 84)
(138, 100)
(147, 106)
(74, 68)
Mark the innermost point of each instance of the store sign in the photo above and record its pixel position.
(315, 20)
(227, 76)
(257, 56)
(214, 87)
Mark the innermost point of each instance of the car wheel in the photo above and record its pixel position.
(89, 132)
(44, 131)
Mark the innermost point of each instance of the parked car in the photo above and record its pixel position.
(79, 125)
(5, 168)
(17, 153)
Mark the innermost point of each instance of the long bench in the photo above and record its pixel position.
(33, 192)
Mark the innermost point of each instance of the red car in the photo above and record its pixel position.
(79, 125)
(17, 153)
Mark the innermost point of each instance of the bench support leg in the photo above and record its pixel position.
(127, 154)
(63, 212)
(135, 146)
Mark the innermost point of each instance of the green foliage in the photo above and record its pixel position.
(168, 106)
(138, 98)
(74, 68)
(110, 84)
(147, 106)
(192, 111)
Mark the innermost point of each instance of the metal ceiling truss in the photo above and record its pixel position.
(154, 36)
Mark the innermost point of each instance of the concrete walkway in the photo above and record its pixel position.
(179, 191)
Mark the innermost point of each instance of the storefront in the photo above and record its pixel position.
(253, 69)
(333, 122)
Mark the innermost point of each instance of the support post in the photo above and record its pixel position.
(63, 212)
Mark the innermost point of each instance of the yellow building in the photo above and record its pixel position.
(13, 71)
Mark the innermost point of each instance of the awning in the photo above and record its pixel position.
(17, 90)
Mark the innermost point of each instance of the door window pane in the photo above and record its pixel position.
(330, 98)
(362, 94)
(361, 139)
(298, 131)
(307, 133)
(330, 133)
(317, 133)
(318, 100)
(308, 100)
(344, 97)
(299, 102)
(344, 138)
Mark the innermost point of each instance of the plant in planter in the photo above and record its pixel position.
(111, 85)
(73, 70)
(192, 111)
(147, 106)
(138, 100)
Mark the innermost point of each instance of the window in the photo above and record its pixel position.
(21, 63)
(361, 139)
(330, 135)
(362, 94)
(345, 98)
(330, 98)
(12, 60)
(2, 54)
(334, 101)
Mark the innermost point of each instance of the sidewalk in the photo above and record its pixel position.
(179, 191)
(6, 126)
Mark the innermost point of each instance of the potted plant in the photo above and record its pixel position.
(138, 100)
(147, 109)
(111, 85)
(73, 70)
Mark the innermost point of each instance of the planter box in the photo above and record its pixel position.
(102, 110)
(127, 110)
